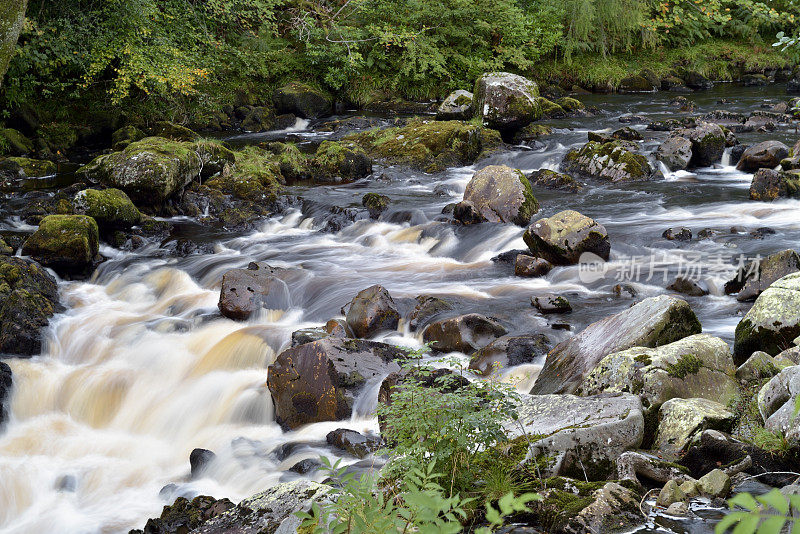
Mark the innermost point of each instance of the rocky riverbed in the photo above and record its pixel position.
(192, 321)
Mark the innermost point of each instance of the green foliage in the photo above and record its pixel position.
(765, 514)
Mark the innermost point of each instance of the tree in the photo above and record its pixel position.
(12, 15)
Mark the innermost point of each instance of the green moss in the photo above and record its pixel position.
(59, 136)
(64, 242)
(110, 207)
(687, 364)
(570, 104)
(550, 108)
(255, 177)
(643, 359)
(13, 142)
(35, 168)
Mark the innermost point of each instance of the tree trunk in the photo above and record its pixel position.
(12, 14)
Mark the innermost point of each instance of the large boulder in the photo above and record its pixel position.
(110, 208)
(751, 280)
(464, 333)
(340, 161)
(767, 154)
(505, 101)
(612, 161)
(708, 143)
(579, 434)
(372, 311)
(184, 515)
(777, 403)
(681, 421)
(245, 291)
(66, 243)
(457, 106)
(696, 366)
(150, 171)
(562, 238)
(28, 299)
(769, 185)
(675, 153)
(653, 322)
(502, 194)
(318, 381)
(509, 351)
(772, 323)
(302, 100)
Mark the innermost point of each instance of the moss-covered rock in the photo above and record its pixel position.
(608, 161)
(111, 208)
(505, 101)
(303, 100)
(340, 161)
(293, 164)
(58, 137)
(149, 171)
(769, 185)
(125, 136)
(176, 132)
(28, 299)
(682, 420)
(550, 179)
(570, 105)
(502, 194)
(430, 146)
(636, 84)
(562, 238)
(35, 168)
(66, 243)
(551, 110)
(255, 177)
(375, 204)
(708, 143)
(214, 156)
(457, 106)
(13, 143)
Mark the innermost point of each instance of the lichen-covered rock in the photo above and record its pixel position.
(562, 238)
(670, 493)
(28, 299)
(186, 516)
(695, 366)
(777, 402)
(464, 333)
(773, 321)
(505, 101)
(610, 161)
(580, 432)
(675, 153)
(430, 146)
(457, 106)
(110, 208)
(551, 304)
(372, 311)
(715, 484)
(751, 280)
(318, 381)
(66, 243)
(303, 100)
(150, 171)
(340, 161)
(245, 291)
(570, 105)
(502, 194)
(555, 180)
(653, 322)
(682, 420)
(769, 185)
(761, 365)
(509, 351)
(767, 154)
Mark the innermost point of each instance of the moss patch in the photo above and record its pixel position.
(687, 364)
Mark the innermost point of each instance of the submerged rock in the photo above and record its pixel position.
(376, 204)
(245, 291)
(464, 333)
(502, 194)
(372, 311)
(505, 101)
(551, 304)
(767, 154)
(653, 322)
(612, 161)
(457, 106)
(562, 238)
(531, 266)
(66, 243)
(199, 460)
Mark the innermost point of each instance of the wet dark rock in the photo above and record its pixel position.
(669, 125)
(302, 100)
(68, 244)
(600, 137)
(372, 311)
(761, 233)
(427, 308)
(636, 84)
(376, 204)
(318, 381)
(697, 81)
(502, 194)
(635, 119)
(186, 247)
(340, 161)
(736, 153)
(624, 290)
(510, 256)
(304, 467)
(674, 84)
(466, 213)
(650, 323)
(562, 238)
(199, 460)
(509, 351)
(751, 80)
(353, 442)
(551, 304)
(338, 328)
(688, 287)
(457, 106)
(5, 389)
(445, 380)
(245, 291)
(308, 335)
(184, 516)
(505, 101)
(170, 130)
(751, 280)
(555, 180)
(763, 155)
(626, 134)
(708, 144)
(463, 333)
(675, 153)
(531, 266)
(677, 234)
(769, 185)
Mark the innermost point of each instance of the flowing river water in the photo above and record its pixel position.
(141, 369)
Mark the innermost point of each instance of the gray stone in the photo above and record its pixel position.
(669, 494)
(751, 280)
(457, 106)
(509, 351)
(767, 154)
(464, 333)
(245, 291)
(683, 420)
(562, 238)
(505, 101)
(502, 194)
(675, 153)
(715, 484)
(777, 403)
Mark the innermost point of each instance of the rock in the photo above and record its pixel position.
(509, 351)
(530, 266)
(612, 508)
(372, 311)
(679, 509)
(690, 489)
(110, 208)
(34, 168)
(245, 291)
(150, 171)
(695, 366)
(626, 133)
(683, 420)
(715, 484)
(5, 389)
(751, 280)
(302, 100)
(505, 101)
(199, 460)
(125, 136)
(337, 161)
(14, 143)
(562, 238)
(669, 494)
(176, 132)
(466, 213)
(551, 110)
(353, 442)
(757, 367)
(673, 83)
(675, 153)
(272, 510)
(677, 234)
(578, 433)
(777, 402)
(376, 204)
(305, 466)
(185, 516)
(688, 287)
(769, 184)
(767, 154)
(653, 322)
(463, 333)
(318, 381)
(636, 84)
(570, 105)
(610, 161)
(772, 322)
(551, 304)
(66, 243)
(502, 194)
(555, 180)
(708, 143)
(457, 106)
(635, 465)
(427, 307)
(697, 81)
